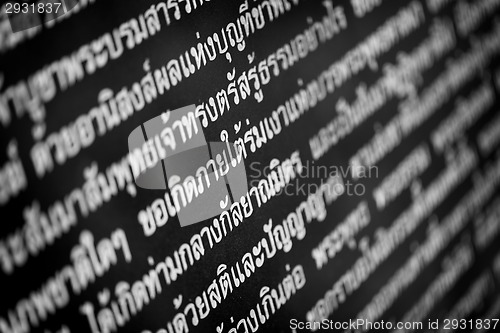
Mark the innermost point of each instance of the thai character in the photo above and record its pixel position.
(179, 321)
(307, 209)
(77, 196)
(249, 137)
(222, 49)
(213, 53)
(191, 307)
(224, 280)
(91, 188)
(214, 115)
(183, 249)
(298, 103)
(106, 321)
(175, 268)
(221, 163)
(244, 323)
(190, 188)
(107, 254)
(109, 108)
(271, 245)
(240, 277)
(216, 226)
(296, 225)
(247, 21)
(214, 294)
(236, 214)
(224, 137)
(125, 302)
(243, 7)
(68, 274)
(161, 267)
(137, 97)
(202, 173)
(275, 123)
(302, 45)
(197, 245)
(140, 29)
(186, 65)
(87, 309)
(190, 124)
(199, 55)
(276, 175)
(71, 139)
(288, 286)
(148, 85)
(279, 296)
(255, 191)
(255, 326)
(240, 149)
(259, 254)
(173, 4)
(98, 115)
(85, 55)
(267, 301)
(177, 190)
(55, 140)
(247, 205)
(231, 89)
(126, 31)
(281, 55)
(258, 17)
(267, 4)
(62, 217)
(312, 39)
(252, 75)
(85, 130)
(270, 192)
(152, 20)
(297, 161)
(150, 154)
(272, 60)
(278, 7)
(320, 30)
(122, 174)
(159, 212)
(225, 218)
(202, 303)
(174, 72)
(41, 158)
(292, 52)
(114, 43)
(238, 36)
(282, 237)
(202, 114)
(83, 266)
(168, 138)
(206, 231)
(6, 260)
(33, 233)
(299, 276)
(248, 264)
(161, 79)
(317, 204)
(222, 101)
(243, 85)
(43, 82)
(163, 7)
